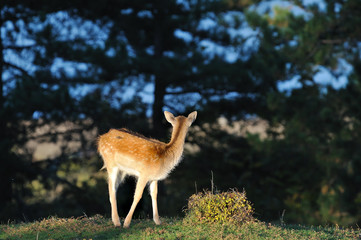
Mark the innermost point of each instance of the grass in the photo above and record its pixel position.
(98, 227)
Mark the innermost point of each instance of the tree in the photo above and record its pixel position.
(36, 91)
(168, 48)
(320, 122)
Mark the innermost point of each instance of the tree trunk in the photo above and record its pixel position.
(159, 129)
(5, 160)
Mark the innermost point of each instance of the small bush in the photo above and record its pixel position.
(224, 207)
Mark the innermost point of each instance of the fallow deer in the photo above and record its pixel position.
(149, 160)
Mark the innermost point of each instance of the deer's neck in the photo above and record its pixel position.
(176, 144)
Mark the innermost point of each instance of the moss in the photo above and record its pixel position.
(224, 207)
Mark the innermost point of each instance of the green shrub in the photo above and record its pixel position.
(224, 207)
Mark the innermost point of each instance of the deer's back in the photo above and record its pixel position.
(130, 149)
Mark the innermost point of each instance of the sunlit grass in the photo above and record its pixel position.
(98, 227)
(60, 228)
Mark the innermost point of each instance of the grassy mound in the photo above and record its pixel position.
(224, 207)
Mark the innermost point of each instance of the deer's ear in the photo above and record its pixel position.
(169, 116)
(192, 116)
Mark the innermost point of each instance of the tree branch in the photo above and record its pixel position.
(13, 47)
(23, 71)
(183, 92)
(332, 41)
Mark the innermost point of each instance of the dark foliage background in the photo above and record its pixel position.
(70, 70)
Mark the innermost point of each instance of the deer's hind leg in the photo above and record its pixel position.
(141, 183)
(113, 184)
(153, 187)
